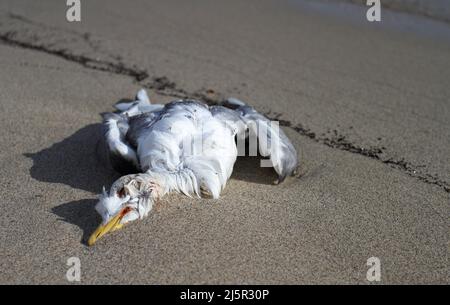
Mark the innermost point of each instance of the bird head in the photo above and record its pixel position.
(131, 197)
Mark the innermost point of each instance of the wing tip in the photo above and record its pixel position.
(233, 103)
(142, 96)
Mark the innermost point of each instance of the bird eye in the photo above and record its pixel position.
(121, 193)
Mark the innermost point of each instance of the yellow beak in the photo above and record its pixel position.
(112, 225)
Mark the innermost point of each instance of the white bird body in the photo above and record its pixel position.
(184, 146)
(189, 138)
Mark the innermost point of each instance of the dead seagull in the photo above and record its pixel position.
(184, 146)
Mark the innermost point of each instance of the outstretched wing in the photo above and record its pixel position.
(272, 141)
(121, 131)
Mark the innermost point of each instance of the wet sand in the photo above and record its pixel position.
(367, 107)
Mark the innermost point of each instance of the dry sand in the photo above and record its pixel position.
(367, 107)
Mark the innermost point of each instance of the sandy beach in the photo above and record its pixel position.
(366, 105)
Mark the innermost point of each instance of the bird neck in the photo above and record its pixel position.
(182, 181)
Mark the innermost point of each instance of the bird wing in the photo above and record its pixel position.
(122, 129)
(188, 142)
(143, 136)
(272, 141)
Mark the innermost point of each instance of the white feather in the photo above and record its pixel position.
(185, 147)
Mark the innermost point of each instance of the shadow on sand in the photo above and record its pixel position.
(80, 213)
(249, 169)
(77, 161)
(80, 161)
